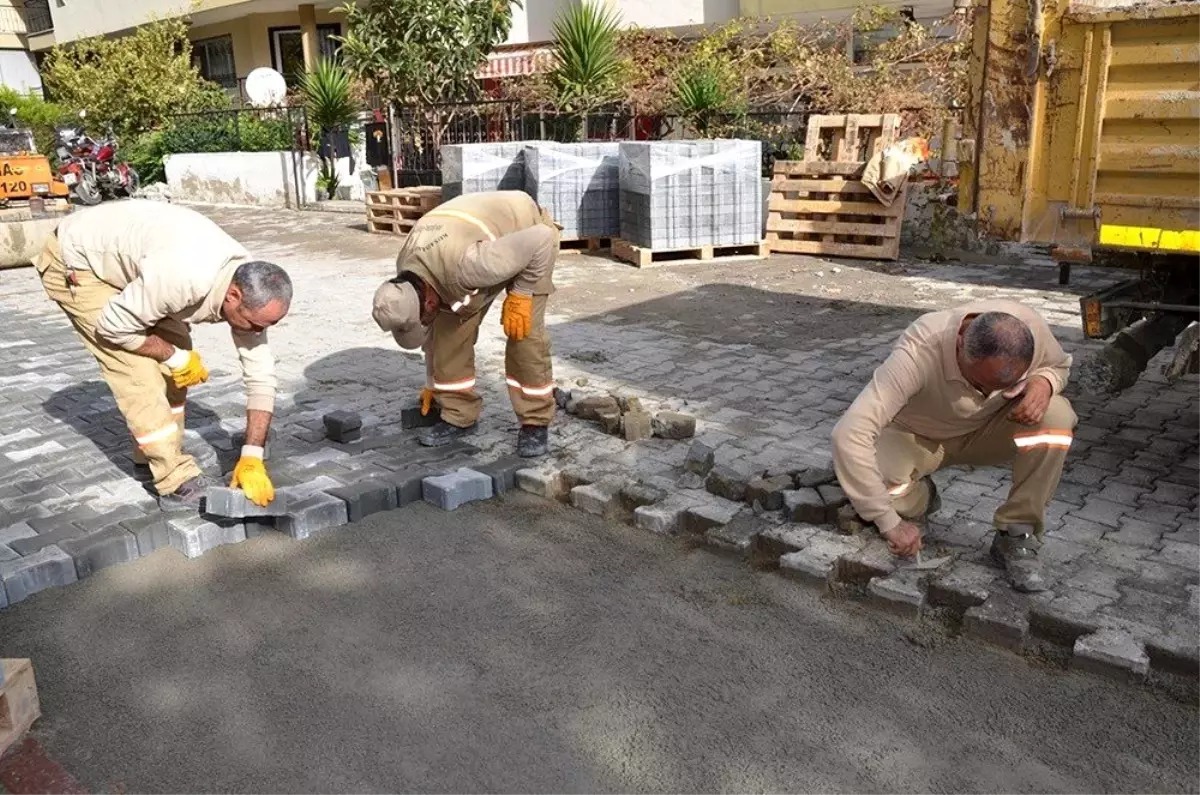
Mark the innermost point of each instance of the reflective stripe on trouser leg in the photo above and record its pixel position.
(529, 372)
(136, 381)
(450, 366)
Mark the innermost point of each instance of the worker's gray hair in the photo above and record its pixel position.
(998, 335)
(261, 283)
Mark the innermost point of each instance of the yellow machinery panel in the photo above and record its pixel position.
(1108, 151)
(26, 175)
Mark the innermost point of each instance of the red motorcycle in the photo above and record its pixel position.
(90, 168)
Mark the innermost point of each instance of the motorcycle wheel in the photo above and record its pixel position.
(87, 190)
(132, 183)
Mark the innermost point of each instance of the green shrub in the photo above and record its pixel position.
(35, 113)
(145, 153)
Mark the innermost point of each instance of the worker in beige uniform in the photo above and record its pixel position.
(980, 385)
(456, 261)
(132, 276)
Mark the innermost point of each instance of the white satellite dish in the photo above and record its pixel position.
(265, 87)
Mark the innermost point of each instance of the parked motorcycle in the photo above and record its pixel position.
(90, 167)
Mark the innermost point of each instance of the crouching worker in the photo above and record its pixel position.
(980, 385)
(457, 260)
(132, 276)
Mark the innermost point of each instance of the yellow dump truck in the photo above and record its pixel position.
(32, 198)
(1083, 133)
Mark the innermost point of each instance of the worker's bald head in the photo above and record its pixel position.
(995, 350)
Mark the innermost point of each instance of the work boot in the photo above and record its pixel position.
(1017, 554)
(188, 497)
(444, 433)
(533, 441)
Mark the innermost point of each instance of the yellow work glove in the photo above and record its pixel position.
(517, 316)
(426, 401)
(251, 474)
(189, 374)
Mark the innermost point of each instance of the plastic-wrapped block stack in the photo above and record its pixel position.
(477, 168)
(684, 194)
(579, 184)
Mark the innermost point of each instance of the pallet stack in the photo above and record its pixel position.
(820, 206)
(579, 185)
(478, 168)
(19, 706)
(394, 212)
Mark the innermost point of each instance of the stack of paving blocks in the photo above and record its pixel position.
(478, 168)
(686, 194)
(578, 184)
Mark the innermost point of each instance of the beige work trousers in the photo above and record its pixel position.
(146, 396)
(450, 368)
(1037, 454)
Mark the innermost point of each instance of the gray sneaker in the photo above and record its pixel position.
(188, 497)
(1018, 556)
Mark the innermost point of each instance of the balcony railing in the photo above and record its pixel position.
(37, 16)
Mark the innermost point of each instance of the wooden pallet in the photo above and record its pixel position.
(849, 138)
(395, 212)
(584, 245)
(644, 257)
(19, 706)
(830, 214)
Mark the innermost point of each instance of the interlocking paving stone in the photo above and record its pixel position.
(194, 535)
(311, 515)
(455, 489)
(48, 567)
(365, 498)
(111, 546)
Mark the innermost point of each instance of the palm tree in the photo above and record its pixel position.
(589, 65)
(328, 92)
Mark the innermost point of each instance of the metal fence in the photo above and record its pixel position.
(419, 135)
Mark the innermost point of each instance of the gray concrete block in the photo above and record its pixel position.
(194, 535)
(52, 535)
(365, 498)
(963, 586)
(637, 425)
(408, 484)
(817, 563)
(768, 492)
(150, 532)
(638, 495)
(541, 483)
(14, 531)
(898, 592)
(1002, 621)
(700, 459)
(455, 489)
(812, 477)
(111, 546)
(7, 554)
(587, 408)
(343, 426)
(804, 505)
(664, 518)
(727, 482)
(311, 515)
(503, 473)
(737, 536)
(597, 499)
(49, 567)
(674, 425)
(773, 542)
(699, 519)
(233, 504)
(1111, 653)
(610, 422)
(835, 499)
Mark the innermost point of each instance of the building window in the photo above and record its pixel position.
(214, 59)
(287, 52)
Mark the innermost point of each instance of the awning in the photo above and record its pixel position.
(515, 63)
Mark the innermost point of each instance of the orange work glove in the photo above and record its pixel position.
(251, 474)
(517, 316)
(190, 374)
(426, 401)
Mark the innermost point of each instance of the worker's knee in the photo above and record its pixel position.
(1059, 414)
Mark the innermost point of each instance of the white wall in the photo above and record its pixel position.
(18, 72)
(250, 178)
(534, 22)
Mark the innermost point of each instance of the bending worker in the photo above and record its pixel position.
(131, 276)
(980, 385)
(457, 260)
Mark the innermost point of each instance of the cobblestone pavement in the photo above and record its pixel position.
(766, 355)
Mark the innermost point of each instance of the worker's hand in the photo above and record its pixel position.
(190, 374)
(426, 401)
(904, 540)
(1033, 401)
(251, 474)
(517, 316)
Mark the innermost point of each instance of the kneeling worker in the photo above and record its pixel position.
(980, 385)
(457, 260)
(131, 276)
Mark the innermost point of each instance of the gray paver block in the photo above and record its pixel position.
(768, 492)
(14, 531)
(49, 567)
(835, 499)
(7, 554)
(150, 532)
(259, 525)
(700, 519)
(233, 504)
(63, 532)
(674, 425)
(963, 586)
(804, 505)
(812, 477)
(700, 459)
(1112, 653)
(194, 535)
(776, 541)
(111, 546)
(597, 499)
(311, 515)
(588, 407)
(636, 425)
(343, 426)
(455, 489)
(817, 562)
(737, 536)
(727, 482)
(542, 483)
(503, 472)
(664, 518)
(1002, 621)
(899, 592)
(637, 495)
(366, 497)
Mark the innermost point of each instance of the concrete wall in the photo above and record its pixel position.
(251, 178)
(534, 22)
(75, 19)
